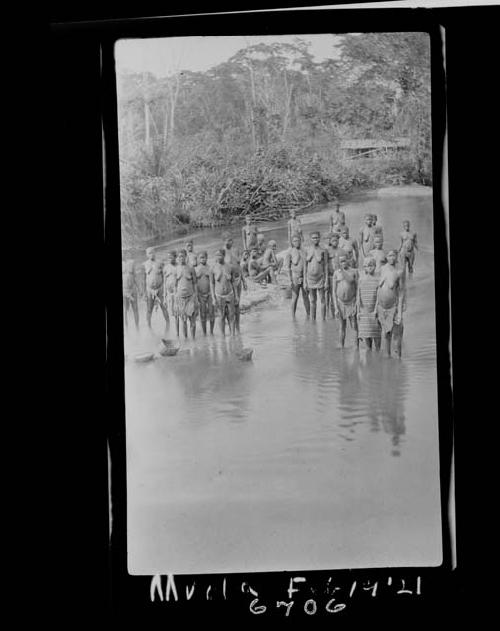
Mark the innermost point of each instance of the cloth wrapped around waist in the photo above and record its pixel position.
(205, 304)
(368, 325)
(315, 282)
(386, 318)
(186, 306)
(347, 309)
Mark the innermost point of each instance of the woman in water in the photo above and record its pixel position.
(390, 297)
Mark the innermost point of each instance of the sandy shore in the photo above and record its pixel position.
(411, 190)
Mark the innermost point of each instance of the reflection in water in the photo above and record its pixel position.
(305, 424)
(387, 389)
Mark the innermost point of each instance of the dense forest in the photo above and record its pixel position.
(262, 132)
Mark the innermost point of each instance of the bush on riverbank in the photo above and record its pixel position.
(262, 132)
(263, 188)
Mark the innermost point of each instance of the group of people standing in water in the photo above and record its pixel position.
(355, 280)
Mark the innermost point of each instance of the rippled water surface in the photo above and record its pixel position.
(307, 457)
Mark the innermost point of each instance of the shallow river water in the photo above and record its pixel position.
(308, 457)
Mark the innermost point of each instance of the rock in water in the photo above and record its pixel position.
(168, 348)
(142, 358)
(244, 354)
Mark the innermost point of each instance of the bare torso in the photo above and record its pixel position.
(222, 279)
(203, 279)
(389, 287)
(408, 241)
(333, 259)
(185, 278)
(169, 274)
(315, 264)
(154, 274)
(346, 284)
(296, 264)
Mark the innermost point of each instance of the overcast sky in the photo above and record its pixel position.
(171, 54)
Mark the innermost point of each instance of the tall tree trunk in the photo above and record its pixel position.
(252, 109)
(147, 138)
(288, 96)
(165, 129)
(174, 93)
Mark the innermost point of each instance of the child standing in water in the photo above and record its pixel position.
(294, 226)
(390, 296)
(333, 251)
(316, 274)
(206, 305)
(337, 219)
(192, 259)
(377, 228)
(378, 253)
(186, 301)
(249, 234)
(169, 286)
(408, 247)
(130, 293)
(154, 287)
(345, 290)
(366, 234)
(349, 246)
(245, 258)
(223, 292)
(368, 326)
(295, 264)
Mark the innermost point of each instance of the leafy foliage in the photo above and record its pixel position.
(261, 133)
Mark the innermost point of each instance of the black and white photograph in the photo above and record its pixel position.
(279, 301)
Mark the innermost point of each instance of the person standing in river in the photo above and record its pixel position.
(316, 274)
(249, 234)
(390, 298)
(378, 253)
(223, 292)
(245, 258)
(192, 259)
(206, 306)
(130, 293)
(333, 251)
(408, 247)
(169, 286)
(337, 219)
(368, 325)
(345, 293)
(154, 287)
(232, 258)
(186, 294)
(349, 246)
(294, 265)
(294, 226)
(366, 235)
(377, 227)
